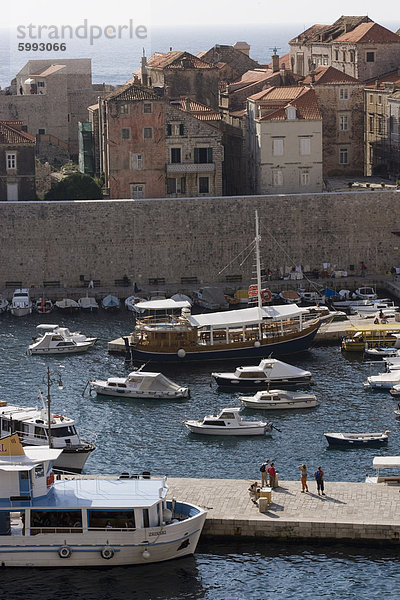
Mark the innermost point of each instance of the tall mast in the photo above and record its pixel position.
(258, 265)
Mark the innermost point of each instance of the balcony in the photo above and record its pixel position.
(191, 168)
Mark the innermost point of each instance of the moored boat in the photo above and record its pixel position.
(110, 302)
(32, 426)
(59, 342)
(43, 305)
(279, 400)
(21, 303)
(359, 338)
(357, 439)
(269, 370)
(140, 384)
(67, 305)
(228, 422)
(384, 380)
(87, 520)
(3, 304)
(88, 303)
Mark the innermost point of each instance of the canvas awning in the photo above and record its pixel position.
(246, 316)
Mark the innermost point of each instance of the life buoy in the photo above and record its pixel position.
(266, 295)
(64, 552)
(50, 479)
(107, 552)
(56, 416)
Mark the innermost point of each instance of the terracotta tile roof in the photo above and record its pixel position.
(132, 92)
(329, 33)
(273, 103)
(177, 59)
(329, 75)
(369, 33)
(46, 71)
(393, 77)
(10, 133)
(198, 110)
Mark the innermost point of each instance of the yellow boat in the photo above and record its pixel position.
(358, 338)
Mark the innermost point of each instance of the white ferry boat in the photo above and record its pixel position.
(86, 521)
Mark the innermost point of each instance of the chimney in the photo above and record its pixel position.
(283, 74)
(275, 63)
(143, 69)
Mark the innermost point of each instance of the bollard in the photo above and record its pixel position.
(263, 505)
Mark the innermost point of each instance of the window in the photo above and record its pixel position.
(204, 185)
(380, 125)
(147, 133)
(175, 129)
(277, 146)
(352, 56)
(41, 131)
(124, 109)
(343, 94)
(305, 145)
(41, 84)
(371, 123)
(370, 57)
(291, 113)
(277, 178)
(137, 191)
(371, 98)
(203, 155)
(343, 156)
(175, 155)
(176, 185)
(344, 56)
(11, 160)
(147, 107)
(343, 122)
(379, 99)
(304, 178)
(136, 162)
(336, 54)
(126, 133)
(325, 60)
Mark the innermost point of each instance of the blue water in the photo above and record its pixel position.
(137, 435)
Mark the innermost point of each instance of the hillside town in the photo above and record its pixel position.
(215, 124)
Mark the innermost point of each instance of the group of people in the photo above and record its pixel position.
(269, 478)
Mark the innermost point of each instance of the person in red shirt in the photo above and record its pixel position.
(272, 475)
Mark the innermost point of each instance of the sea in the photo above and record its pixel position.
(136, 435)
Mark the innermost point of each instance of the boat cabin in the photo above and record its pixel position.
(371, 336)
(387, 470)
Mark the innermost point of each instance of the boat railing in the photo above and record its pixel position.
(34, 530)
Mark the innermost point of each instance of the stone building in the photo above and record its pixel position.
(284, 141)
(341, 101)
(151, 147)
(231, 61)
(379, 120)
(181, 74)
(17, 162)
(51, 96)
(355, 45)
(394, 135)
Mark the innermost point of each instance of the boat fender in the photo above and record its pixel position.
(64, 552)
(107, 552)
(181, 353)
(256, 344)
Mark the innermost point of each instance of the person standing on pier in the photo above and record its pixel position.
(319, 478)
(264, 473)
(303, 472)
(363, 269)
(272, 475)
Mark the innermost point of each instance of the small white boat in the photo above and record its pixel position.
(395, 391)
(366, 293)
(210, 298)
(140, 384)
(289, 296)
(43, 305)
(279, 400)
(357, 439)
(228, 422)
(384, 380)
(67, 305)
(311, 297)
(3, 304)
(21, 304)
(31, 425)
(88, 303)
(77, 336)
(58, 342)
(373, 308)
(131, 302)
(89, 520)
(269, 370)
(110, 302)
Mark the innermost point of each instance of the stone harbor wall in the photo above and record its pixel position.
(205, 240)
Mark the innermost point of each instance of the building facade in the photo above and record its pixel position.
(17, 162)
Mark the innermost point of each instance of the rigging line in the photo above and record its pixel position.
(236, 257)
(246, 257)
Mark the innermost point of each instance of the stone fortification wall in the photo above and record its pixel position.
(197, 237)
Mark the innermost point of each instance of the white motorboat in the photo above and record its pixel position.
(43, 305)
(3, 304)
(279, 400)
(88, 303)
(269, 370)
(131, 302)
(383, 380)
(77, 336)
(140, 384)
(366, 293)
(60, 342)
(357, 439)
(21, 303)
(384, 351)
(395, 391)
(310, 297)
(67, 305)
(210, 298)
(110, 302)
(32, 426)
(373, 308)
(87, 521)
(228, 422)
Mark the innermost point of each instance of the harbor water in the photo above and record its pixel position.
(136, 436)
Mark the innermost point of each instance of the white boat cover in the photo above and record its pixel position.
(386, 462)
(246, 316)
(165, 304)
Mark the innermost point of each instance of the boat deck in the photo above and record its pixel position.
(349, 512)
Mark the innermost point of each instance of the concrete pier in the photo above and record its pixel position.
(350, 512)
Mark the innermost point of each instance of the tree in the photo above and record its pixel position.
(75, 187)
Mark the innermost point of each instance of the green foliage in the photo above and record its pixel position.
(75, 187)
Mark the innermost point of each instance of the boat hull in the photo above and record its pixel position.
(258, 384)
(284, 405)
(343, 442)
(72, 460)
(105, 548)
(21, 312)
(140, 395)
(242, 431)
(251, 350)
(62, 350)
